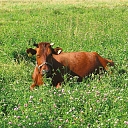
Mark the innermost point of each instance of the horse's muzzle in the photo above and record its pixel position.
(47, 73)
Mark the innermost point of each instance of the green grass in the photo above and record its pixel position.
(74, 26)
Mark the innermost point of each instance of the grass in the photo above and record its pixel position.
(74, 26)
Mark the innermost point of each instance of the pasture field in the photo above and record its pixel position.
(76, 25)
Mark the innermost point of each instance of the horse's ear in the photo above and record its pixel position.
(59, 51)
(36, 45)
(31, 52)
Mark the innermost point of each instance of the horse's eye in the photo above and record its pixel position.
(38, 56)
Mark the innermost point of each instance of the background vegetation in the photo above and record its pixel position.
(76, 25)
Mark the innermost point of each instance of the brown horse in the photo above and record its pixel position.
(55, 64)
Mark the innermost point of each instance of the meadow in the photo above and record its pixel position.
(76, 25)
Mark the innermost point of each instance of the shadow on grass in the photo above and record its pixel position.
(20, 56)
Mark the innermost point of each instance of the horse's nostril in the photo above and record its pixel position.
(45, 71)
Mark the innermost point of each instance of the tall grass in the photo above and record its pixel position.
(74, 26)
